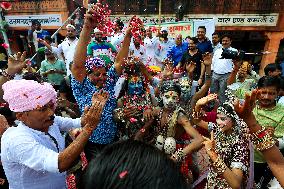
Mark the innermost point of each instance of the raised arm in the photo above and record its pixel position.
(233, 75)
(90, 121)
(78, 67)
(272, 155)
(196, 142)
(197, 113)
(123, 52)
(16, 64)
(207, 61)
(233, 176)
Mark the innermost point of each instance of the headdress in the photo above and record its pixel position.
(94, 63)
(170, 85)
(70, 26)
(26, 95)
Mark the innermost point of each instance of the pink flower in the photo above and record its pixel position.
(123, 174)
(5, 45)
(133, 120)
(6, 5)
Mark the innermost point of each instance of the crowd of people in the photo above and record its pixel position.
(125, 111)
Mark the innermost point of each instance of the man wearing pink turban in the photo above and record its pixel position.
(33, 154)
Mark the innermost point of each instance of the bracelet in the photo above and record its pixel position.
(119, 113)
(220, 166)
(179, 155)
(262, 140)
(197, 115)
(4, 73)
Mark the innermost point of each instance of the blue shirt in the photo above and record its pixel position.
(176, 52)
(205, 46)
(83, 92)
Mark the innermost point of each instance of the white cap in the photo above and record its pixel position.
(97, 30)
(70, 26)
(164, 29)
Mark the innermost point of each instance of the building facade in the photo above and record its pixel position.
(256, 25)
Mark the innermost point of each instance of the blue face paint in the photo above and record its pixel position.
(135, 87)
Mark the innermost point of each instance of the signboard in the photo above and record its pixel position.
(26, 20)
(184, 28)
(241, 19)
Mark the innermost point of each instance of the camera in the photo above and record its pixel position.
(234, 55)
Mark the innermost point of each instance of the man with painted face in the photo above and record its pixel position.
(91, 76)
(269, 114)
(100, 48)
(67, 47)
(173, 128)
(134, 101)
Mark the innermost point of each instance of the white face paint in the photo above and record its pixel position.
(170, 99)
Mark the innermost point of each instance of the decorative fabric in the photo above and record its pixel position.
(25, 95)
(94, 63)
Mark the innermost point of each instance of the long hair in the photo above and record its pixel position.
(133, 164)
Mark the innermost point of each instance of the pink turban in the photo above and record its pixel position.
(25, 95)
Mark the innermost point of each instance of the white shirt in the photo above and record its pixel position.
(68, 48)
(281, 100)
(222, 66)
(116, 40)
(151, 46)
(218, 46)
(162, 50)
(30, 157)
(140, 53)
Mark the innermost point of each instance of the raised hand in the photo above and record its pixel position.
(91, 19)
(203, 101)
(92, 115)
(16, 63)
(148, 114)
(190, 67)
(168, 71)
(245, 110)
(207, 59)
(209, 143)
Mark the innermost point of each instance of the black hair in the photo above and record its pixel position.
(202, 27)
(34, 22)
(187, 37)
(120, 24)
(269, 81)
(226, 35)
(48, 37)
(194, 39)
(215, 33)
(133, 164)
(33, 76)
(271, 68)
